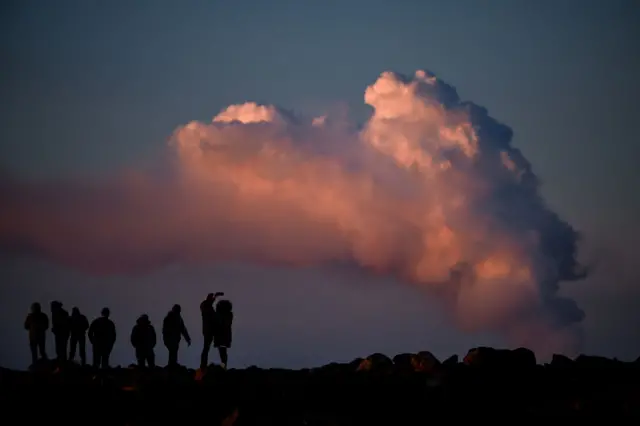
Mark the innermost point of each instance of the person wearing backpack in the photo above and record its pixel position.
(222, 336)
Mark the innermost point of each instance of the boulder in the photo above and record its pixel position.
(403, 363)
(451, 361)
(558, 360)
(336, 368)
(375, 363)
(425, 361)
(353, 365)
(481, 357)
(588, 361)
(522, 357)
(43, 366)
(231, 419)
(500, 358)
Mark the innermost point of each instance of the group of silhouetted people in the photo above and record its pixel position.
(70, 332)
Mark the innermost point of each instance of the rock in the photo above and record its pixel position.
(500, 358)
(403, 363)
(335, 368)
(522, 358)
(199, 374)
(353, 365)
(42, 366)
(365, 365)
(425, 361)
(480, 356)
(376, 363)
(278, 396)
(230, 419)
(588, 361)
(558, 360)
(451, 361)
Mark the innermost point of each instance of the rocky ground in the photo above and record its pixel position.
(406, 390)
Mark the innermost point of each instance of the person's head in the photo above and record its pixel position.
(105, 312)
(75, 311)
(210, 297)
(143, 319)
(36, 308)
(176, 309)
(56, 305)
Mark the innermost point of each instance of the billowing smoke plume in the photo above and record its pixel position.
(429, 190)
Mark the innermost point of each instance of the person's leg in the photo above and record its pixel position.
(42, 344)
(61, 347)
(140, 357)
(104, 360)
(204, 357)
(33, 346)
(82, 343)
(73, 343)
(57, 342)
(97, 356)
(173, 354)
(65, 347)
(223, 356)
(105, 357)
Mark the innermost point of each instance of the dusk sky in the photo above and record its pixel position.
(93, 90)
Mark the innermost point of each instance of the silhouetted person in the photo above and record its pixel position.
(173, 329)
(208, 313)
(79, 327)
(222, 335)
(102, 335)
(143, 339)
(61, 328)
(37, 323)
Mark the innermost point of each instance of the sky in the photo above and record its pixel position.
(91, 88)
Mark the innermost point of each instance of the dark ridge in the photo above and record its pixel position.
(406, 390)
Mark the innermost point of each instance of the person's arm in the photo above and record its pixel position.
(113, 333)
(154, 338)
(45, 321)
(184, 331)
(27, 322)
(91, 331)
(164, 325)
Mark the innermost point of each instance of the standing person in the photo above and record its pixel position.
(102, 335)
(143, 339)
(223, 336)
(37, 324)
(208, 313)
(79, 327)
(173, 329)
(61, 328)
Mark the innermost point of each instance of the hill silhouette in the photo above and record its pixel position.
(407, 389)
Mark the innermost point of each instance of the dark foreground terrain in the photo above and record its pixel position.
(411, 389)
